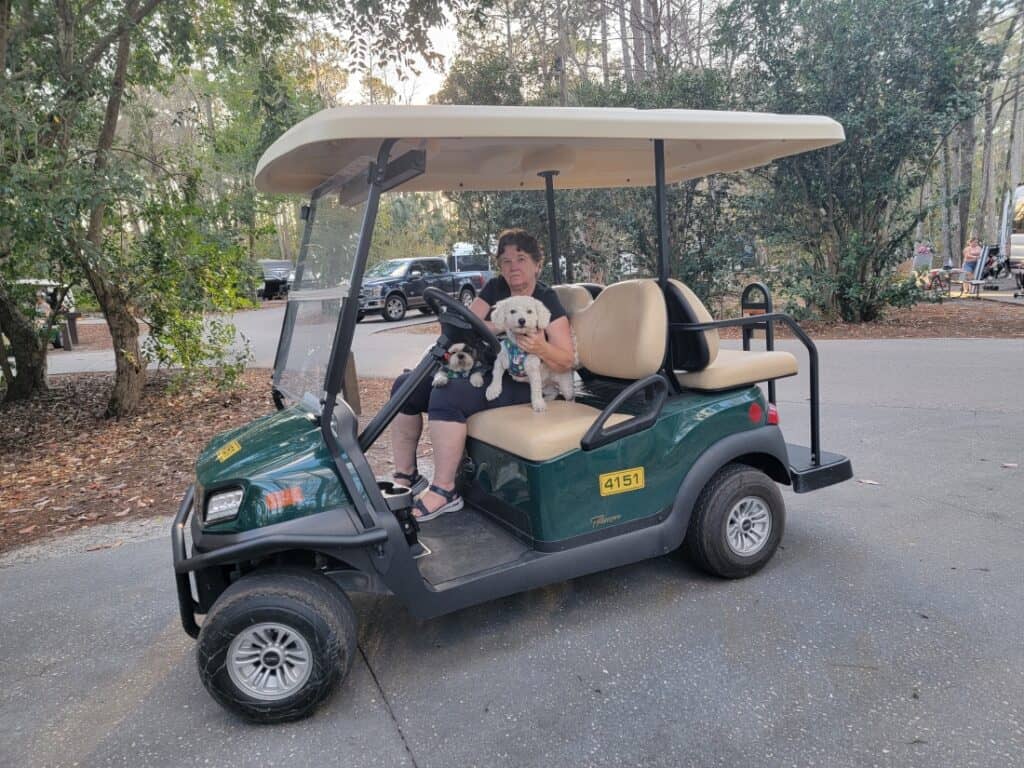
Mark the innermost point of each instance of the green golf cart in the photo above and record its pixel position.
(671, 443)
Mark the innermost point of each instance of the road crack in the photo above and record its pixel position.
(387, 706)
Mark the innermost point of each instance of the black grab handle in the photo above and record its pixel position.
(597, 435)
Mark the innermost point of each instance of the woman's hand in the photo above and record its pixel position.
(532, 343)
(554, 348)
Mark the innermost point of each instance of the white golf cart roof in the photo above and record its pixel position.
(504, 148)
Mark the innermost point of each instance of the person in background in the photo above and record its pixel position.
(972, 252)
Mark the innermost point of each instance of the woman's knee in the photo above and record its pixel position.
(456, 401)
(418, 399)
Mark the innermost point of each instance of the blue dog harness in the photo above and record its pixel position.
(516, 360)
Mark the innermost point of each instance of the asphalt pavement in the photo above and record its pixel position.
(380, 347)
(886, 631)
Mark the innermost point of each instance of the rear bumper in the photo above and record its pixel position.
(807, 476)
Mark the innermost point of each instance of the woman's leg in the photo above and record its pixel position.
(450, 406)
(408, 426)
(405, 436)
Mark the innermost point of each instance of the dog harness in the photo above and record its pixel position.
(516, 360)
(477, 368)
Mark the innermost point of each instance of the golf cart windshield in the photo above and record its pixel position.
(322, 284)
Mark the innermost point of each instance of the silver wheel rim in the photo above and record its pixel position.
(269, 661)
(749, 526)
(467, 297)
(394, 307)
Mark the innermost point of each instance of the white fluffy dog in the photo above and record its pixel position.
(516, 316)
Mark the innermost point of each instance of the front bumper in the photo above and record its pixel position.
(181, 552)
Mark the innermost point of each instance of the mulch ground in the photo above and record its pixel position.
(64, 467)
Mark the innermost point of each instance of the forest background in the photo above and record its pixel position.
(130, 130)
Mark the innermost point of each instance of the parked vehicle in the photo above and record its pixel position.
(278, 276)
(392, 287)
(671, 445)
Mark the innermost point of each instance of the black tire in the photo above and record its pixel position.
(394, 308)
(305, 604)
(360, 316)
(426, 311)
(707, 542)
(466, 295)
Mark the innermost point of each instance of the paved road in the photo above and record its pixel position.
(885, 632)
(379, 350)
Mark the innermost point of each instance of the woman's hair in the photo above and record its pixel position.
(522, 240)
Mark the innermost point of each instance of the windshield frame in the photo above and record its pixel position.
(381, 176)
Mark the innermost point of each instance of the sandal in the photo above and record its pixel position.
(415, 482)
(453, 504)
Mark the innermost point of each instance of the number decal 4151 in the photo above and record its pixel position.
(623, 481)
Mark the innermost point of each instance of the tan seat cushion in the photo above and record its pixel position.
(624, 331)
(519, 430)
(736, 368)
(573, 297)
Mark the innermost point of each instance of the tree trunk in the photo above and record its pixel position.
(966, 185)
(28, 348)
(627, 64)
(604, 43)
(5, 33)
(983, 226)
(130, 373)
(636, 24)
(945, 166)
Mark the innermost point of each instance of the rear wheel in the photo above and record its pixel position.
(394, 307)
(737, 523)
(275, 645)
(466, 295)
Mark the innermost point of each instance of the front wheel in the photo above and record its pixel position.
(275, 645)
(466, 296)
(737, 523)
(394, 308)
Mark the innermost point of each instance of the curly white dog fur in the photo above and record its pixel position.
(516, 316)
(461, 361)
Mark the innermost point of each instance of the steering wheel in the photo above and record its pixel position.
(451, 311)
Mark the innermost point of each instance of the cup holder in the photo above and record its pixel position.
(398, 497)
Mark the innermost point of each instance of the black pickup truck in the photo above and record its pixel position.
(394, 286)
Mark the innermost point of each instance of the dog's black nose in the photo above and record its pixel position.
(522, 321)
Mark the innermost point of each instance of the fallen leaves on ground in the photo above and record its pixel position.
(64, 467)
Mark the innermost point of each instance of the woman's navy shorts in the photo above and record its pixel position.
(459, 399)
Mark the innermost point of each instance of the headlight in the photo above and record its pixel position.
(223, 506)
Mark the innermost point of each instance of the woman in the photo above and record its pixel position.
(971, 255)
(519, 261)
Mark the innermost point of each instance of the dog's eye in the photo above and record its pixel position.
(513, 311)
(529, 311)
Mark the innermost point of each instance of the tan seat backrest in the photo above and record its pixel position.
(573, 297)
(701, 315)
(622, 333)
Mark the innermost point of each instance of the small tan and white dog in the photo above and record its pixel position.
(516, 316)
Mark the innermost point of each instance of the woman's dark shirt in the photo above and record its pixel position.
(497, 289)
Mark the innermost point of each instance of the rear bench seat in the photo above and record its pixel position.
(697, 360)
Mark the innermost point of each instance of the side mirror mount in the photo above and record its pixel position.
(415, 273)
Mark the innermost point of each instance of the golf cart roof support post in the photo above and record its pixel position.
(661, 211)
(549, 193)
(347, 318)
(284, 341)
